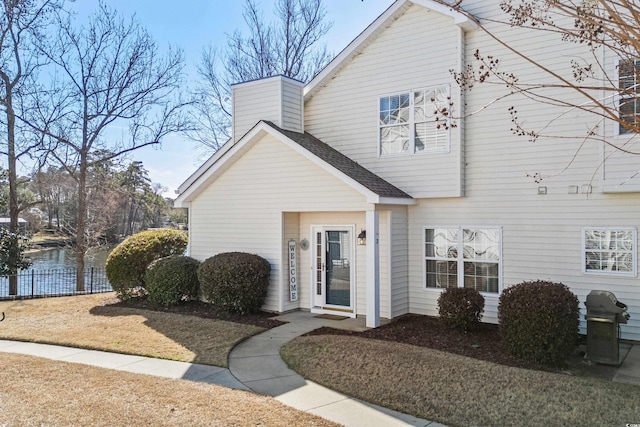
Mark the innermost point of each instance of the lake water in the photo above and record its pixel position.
(53, 272)
(59, 258)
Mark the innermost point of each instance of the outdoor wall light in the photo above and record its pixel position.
(304, 244)
(362, 237)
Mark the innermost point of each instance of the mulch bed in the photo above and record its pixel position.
(201, 309)
(484, 343)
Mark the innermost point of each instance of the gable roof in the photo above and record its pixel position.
(344, 164)
(373, 31)
(375, 189)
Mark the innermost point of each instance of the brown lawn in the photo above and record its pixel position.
(41, 392)
(458, 390)
(92, 322)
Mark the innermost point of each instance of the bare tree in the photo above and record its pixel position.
(106, 77)
(55, 189)
(21, 24)
(587, 83)
(288, 47)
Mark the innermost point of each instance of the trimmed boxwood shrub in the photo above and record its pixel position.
(539, 321)
(460, 308)
(237, 282)
(127, 263)
(172, 279)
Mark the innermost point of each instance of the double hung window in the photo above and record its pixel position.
(629, 106)
(609, 251)
(414, 122)
(463, 257)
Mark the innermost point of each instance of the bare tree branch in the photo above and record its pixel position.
(289, 47)
(109, 74)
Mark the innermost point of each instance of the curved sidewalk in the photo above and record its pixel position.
(254, 365)
(257, 364)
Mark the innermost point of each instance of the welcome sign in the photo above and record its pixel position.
(293, 271)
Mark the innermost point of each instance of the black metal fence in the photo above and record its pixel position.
(53, 283)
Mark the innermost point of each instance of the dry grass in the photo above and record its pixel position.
(82, 321)
(38, 392)
(456, 390)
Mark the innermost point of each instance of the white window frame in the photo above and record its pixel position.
(618, 101)
(633, 252)
(412, 123)
(459, 259)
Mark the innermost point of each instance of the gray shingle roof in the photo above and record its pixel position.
(344, 164)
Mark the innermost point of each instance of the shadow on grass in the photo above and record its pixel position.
(197, 332)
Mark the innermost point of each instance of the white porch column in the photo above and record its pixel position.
(373, 269)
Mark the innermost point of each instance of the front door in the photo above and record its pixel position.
(333, 264)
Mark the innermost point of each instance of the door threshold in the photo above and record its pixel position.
(342, 310)
(336, 311)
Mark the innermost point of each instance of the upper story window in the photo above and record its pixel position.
(609, 251)
(409, 122)
(629, 107)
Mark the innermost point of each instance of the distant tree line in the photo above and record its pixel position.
(121, 201)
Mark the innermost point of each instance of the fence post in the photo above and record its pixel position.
(91, 282)
(33, 279)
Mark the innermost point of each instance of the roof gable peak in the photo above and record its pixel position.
(398, 8)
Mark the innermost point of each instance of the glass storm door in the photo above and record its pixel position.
(333, 268)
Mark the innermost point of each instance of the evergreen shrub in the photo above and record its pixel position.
(236, 282)
(172, 280)
(460, 308)
(127, 263)
(539, 321)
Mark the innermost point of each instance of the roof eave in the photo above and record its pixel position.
(394, 201)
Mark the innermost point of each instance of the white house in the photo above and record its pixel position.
(357, 151)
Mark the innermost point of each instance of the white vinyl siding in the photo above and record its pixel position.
(277, 99)
(399, 260)
(292, 106)
(541, 234)
(252, 102)
(620, 169)
(242, 209)
(416, 51)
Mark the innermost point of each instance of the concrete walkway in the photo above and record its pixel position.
(257, 364)
(254, 365)
(629, 371)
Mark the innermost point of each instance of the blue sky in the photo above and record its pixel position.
(194, 24)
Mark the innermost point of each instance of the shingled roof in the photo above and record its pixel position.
(342, 163)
